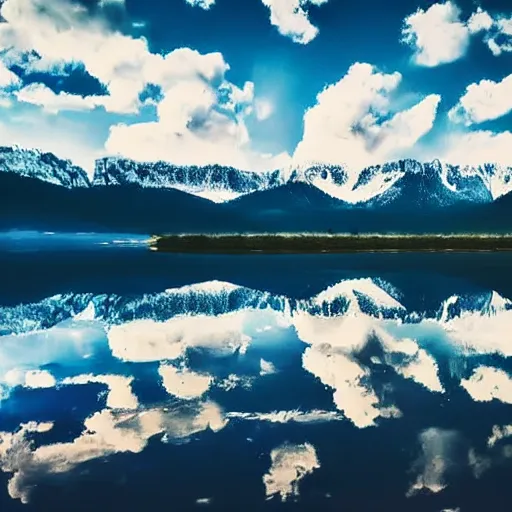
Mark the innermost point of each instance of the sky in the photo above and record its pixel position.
(258, 84)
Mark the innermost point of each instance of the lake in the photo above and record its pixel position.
(136, 380)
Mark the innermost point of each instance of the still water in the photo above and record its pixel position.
(132, 380)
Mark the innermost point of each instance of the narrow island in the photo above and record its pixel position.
(284, 243)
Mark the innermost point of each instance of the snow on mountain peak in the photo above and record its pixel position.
(444, 182)
(32, 163)
(214, 182)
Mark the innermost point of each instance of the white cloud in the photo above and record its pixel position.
(416, 363)
(437, 35)
(353, 395)
(483, 101)
(7, 77)
(499, 39)
(336, 340)
(184, 383)
(204, 4)
(105, 433)
(291, 19)
(40, 95)
(39, 379)
(487, 384)
(266, 367)
(144, 340)
(499, 433)
(8, 80)
(436, 446)
(477, 148)
(332, 357)
(120, 394)
(200, 118)
(289, 16)
(196, 127)
(290, 464)
(148, 340)
(479, 20)
(62, 33)
(347, 126)
(33, 379)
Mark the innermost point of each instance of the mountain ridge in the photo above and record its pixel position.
(375, 186)
(361, 296)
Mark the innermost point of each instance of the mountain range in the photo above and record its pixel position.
(40, 191)
(365, 297)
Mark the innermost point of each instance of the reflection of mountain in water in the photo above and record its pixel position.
(351, 348)
(349, 326)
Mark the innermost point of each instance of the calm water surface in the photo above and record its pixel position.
(133, 380)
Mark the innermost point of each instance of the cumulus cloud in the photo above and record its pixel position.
(352, 123)
(120, 394)
(43, 96)
(487, 384)
(499, 39)
(291, 18)
(39, 379)
(415, 363)
(8, 81)
(352, 393)
(201, 115)
(290, 463)
(336, 341)
(483, 101)
(438, 35)
(477, 147)
(333, 358)
(148, 340)
(266, 367)
(479, 20)
(184, 383)
(499, 433)
(105, 433)
(198, 124)
(62, 33)
(7, 77)
(33, 379)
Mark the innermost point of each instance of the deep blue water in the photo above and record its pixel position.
(135, 380)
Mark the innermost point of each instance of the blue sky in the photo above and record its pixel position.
(258, 84)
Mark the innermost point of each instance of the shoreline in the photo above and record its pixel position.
(283, 243)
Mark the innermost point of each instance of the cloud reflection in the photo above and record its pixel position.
(208, 350)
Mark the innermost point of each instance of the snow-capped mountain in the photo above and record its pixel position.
(432, 183)
(214, 182)
(32, 163)
(365, 297)
(436, 183)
